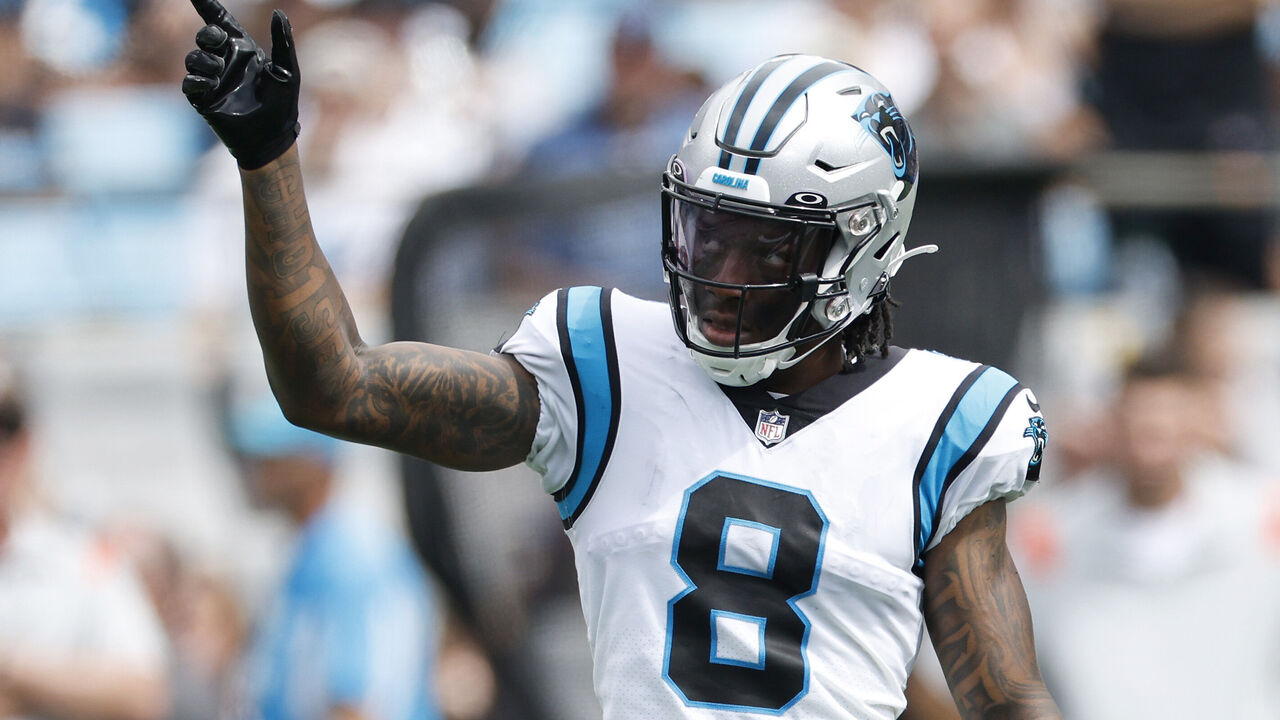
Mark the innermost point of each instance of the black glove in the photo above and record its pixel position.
(250, 101)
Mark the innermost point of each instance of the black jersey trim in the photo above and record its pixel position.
(584, 320)
(566, 353)
(805, 408)
(615, 405)
(969, 455)
(930, 447)
(966, 424)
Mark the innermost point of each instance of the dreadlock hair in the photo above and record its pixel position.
(869, 333)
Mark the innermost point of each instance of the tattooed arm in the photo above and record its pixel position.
(458, 408)
(978, 617)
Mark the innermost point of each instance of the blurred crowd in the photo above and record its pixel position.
(139, 574)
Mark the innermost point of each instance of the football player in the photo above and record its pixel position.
(766, 500)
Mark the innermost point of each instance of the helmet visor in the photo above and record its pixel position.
(742, 275)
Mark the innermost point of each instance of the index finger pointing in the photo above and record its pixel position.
(212, 12)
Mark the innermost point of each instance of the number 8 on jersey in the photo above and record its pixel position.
(749, 550)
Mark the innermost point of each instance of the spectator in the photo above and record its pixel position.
(1156, 580)
(202, 619)
(78, 637)
(350, 633)
(1005, 88)
(1230, 340)
(645, 109)
(208, 641)
(643, 113)
(23, 85)
(1190, 76)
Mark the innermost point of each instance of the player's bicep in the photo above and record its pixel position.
(980, 623)
(462, 409)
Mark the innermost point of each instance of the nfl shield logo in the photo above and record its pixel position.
(771, 427)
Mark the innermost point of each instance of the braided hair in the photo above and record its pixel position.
(869, 333)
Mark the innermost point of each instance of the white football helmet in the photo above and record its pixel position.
(784, 214)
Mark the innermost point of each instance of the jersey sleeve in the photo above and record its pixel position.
(988, 447)
(566, 342)
(536, 346)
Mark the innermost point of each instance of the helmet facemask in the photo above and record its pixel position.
(752, 280)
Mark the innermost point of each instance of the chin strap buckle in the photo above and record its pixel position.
(880, 289)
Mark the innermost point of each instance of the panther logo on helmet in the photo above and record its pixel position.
(881, 117)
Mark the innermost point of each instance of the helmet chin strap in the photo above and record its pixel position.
(740, 372)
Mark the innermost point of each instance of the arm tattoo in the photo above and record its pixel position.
(980, 622)
(473, 411)
(454, 407)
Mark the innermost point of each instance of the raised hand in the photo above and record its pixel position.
(249, 99)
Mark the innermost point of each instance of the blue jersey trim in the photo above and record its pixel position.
(767, 571)
(760, 625)
(964, 427)
(585, 323)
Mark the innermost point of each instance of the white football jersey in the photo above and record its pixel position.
(741, 555)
